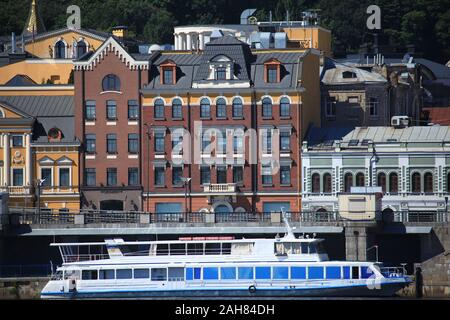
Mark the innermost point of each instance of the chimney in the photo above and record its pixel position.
(120, 32)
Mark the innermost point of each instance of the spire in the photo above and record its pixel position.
(34, 24)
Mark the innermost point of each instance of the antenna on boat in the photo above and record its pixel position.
(290, 233)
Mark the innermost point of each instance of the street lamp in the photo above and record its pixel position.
(40, 182)
(149, 134)
(186, 182)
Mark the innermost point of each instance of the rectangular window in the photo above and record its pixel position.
(89, 275)
(133, 176)
(272, 74)
(17, 141)
(267, 142)
(221, 73)
(111, 175)
(366, 273)
(159, 142)
(285, 141)
(210, 273)
(221, 144)
(90, 142)
(90, 110)
(222, 174)
(46, 175)
(111, 143)
(90, 177)
(168, 76)
(159, 111)
(245, 273)
(238, 145)
(267, 178)
(205, 111)
(159, 274)
(267, 110)
(133, 143)
(330, 107)
(177, 174)
(333, 272)
(285, 175)
(221, 111)
(141, 273)
(17, 177)
(280, 273)
(373, 107)
(107, 275)
(133, 110)
(346, 272)
(238, 175)
(228, 273)
(238, 111)
(189, 274)
(298, 273)
(205, 175)
(64, 177)
(124, 274)
(206, 141)
(111, 110)
(315, 273)
(262, 273)
(160, 176)
(177, 111)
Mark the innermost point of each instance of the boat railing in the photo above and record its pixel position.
(84, 257)
(393, 272)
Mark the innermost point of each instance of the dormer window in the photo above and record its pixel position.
(168, 72)
(221, 68)
(272, 72)
(348, 75)
(221, 73)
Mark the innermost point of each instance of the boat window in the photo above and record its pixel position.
(298, 272)
(355, 272)
(296, 248)
(242, 248)
(176, 274)
(159, 274)
(212, 248)
(315, 272)
(333, 272)
(124, 274)
(280, 249)
(280, 273)
(72, 274)
(228, 273)
(58, 275)
(162, 250)
(245, 273)
(89, 275)
(177, 249)
(226, 248)
(312, 248)
(195, 249)
(106, 274)
(210, 273)
(262, 273)
(346, 272)
(197, 273)
(141, 273)
(366, 273)
(305, 248)
(320, 248)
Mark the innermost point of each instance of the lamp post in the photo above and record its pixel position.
(186, 182)
(39, 184)
(149, 133)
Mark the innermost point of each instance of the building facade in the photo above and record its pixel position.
(198, 110)
(411, 165)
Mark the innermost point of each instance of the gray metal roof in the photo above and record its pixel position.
(332, 74)
(42, 106)
(410, 134)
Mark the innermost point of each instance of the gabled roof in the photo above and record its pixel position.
(89, 61)
(20, 80)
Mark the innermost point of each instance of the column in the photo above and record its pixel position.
(188, 41)
(7, 159)
(28, 161)
(178, 43)
(202, 41)
(183, 41)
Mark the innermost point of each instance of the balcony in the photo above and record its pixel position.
(222, 188)
(49, 190)
(17, 191)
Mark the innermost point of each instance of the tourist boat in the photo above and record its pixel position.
(286, 266)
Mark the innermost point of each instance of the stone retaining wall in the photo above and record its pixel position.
(23, 288)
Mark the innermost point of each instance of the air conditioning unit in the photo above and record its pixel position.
(400, 121)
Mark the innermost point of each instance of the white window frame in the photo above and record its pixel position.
(70, 176)
(12, 177)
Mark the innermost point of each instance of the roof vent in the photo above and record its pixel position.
(400, 121)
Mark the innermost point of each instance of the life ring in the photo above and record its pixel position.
(252, 289)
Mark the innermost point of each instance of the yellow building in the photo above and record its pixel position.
(38, 148)
(310, 37)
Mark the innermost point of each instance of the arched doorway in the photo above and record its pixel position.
(388, 215)
(111, 205)
(322, 215)
(223, 212)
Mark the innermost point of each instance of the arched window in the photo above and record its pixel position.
(428, 182)
(315, 183)
(415, 183)
(205, 108)
(285, 107)
(348, 182)
(393, 182)
(221, 108)
(382, 181)
(111, 83)
(60, 50)
(159, 109)
(81, 48)
(177, 109)
(267, 108)
(238, 111)
(360, 180)
(327, 183)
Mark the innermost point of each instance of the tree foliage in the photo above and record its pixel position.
(424, 23)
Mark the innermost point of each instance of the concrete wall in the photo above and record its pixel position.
(15, 289)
